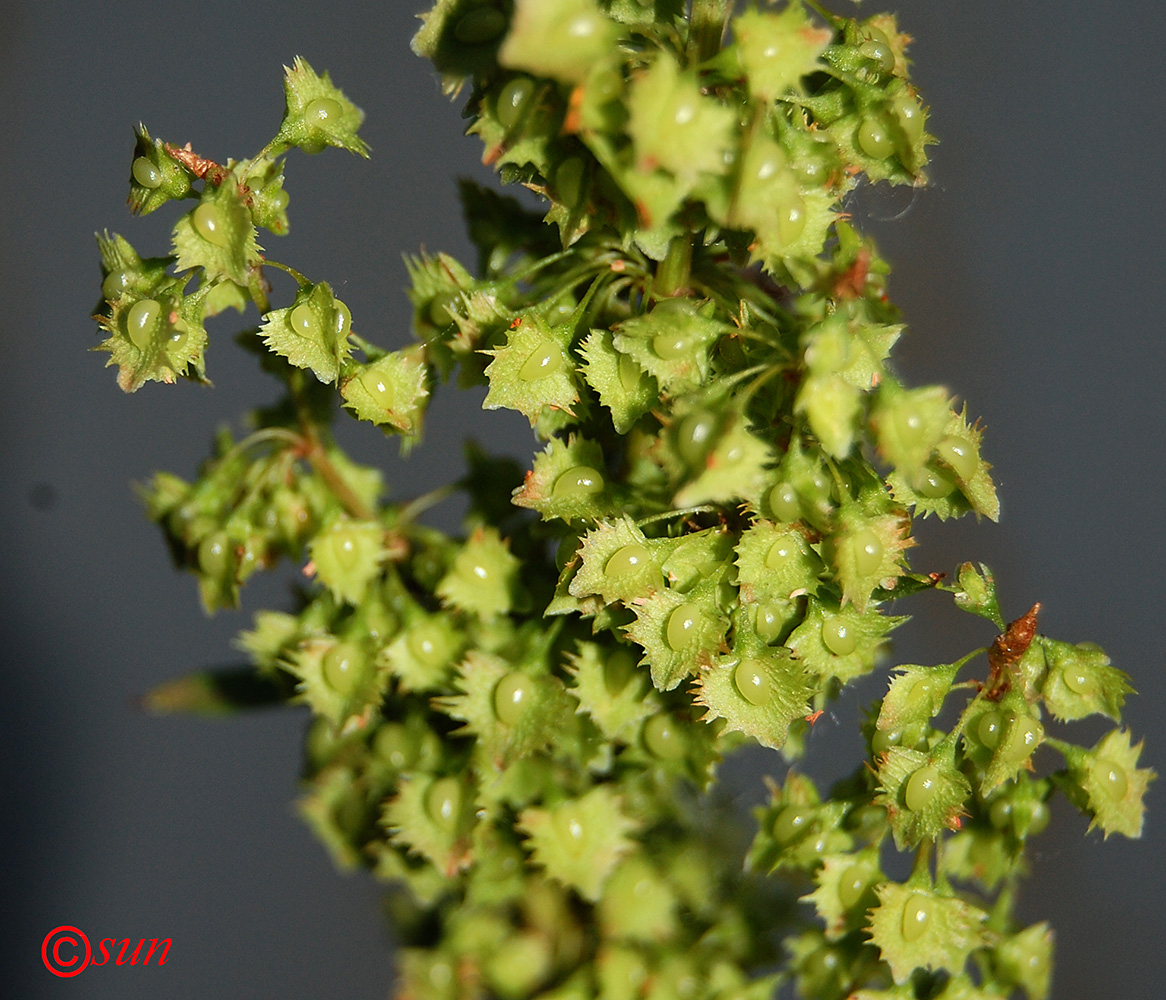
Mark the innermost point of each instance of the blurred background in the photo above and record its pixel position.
(1031, 276)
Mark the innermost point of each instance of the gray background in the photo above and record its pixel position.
(1031, 276)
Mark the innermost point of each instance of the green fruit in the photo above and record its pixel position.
(546, 360)
(662, 738)
(512, 100)
(216, 556)
(935, 484)
(443, 803)
(480, 25)
(1111, 779)
(376, 387)
(769, 622)
(672, 345)
(838, 636)
(146, 173)
(208, 223)
(302, 320)
(1079, 681)
(752, 681)
(341, 319)
(395, 746)
(512, 697)
(853, 884)
(917, 914)
(685, 625)
(441, 309)
(990, 728)
(784, 503)
(1021, 740)
(783, 552)
(630, 375)
(626, 560)
(581, 480)
(878, 50)
(874, 139)
(427, 643)
(115, 284)
(867, 551)
(791, 824)
(569, 823)
(791, 219)
(882, 740)
(921, 787)
(694, 436)
(568, 180)
(179, 334)
(960, 455)
(909, 115)
(618, 669)
(342, 667)
(321, 111)
(141, 321)
(1000, 814)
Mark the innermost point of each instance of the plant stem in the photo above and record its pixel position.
(707, 28)
(673, 273)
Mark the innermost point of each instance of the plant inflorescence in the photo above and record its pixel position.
(518, 728)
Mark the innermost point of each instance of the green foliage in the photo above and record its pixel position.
(518, 728)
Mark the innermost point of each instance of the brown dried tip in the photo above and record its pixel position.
(1008, 648)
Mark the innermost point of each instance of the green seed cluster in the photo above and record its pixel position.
(518, 729)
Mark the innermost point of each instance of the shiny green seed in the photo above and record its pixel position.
(791, 220)
(179, 334)
(921, 788)
(141, 320)
(792, 823)
(427, 644)
(910, 117)
(874, 139)
(769, 622)
(685, 625)
(478, 26)
(321, 111)
(838, 636)
(443, 803)
(883, 739)
(1111, 779)
(1000, 814)
(1079, 681)
(694, 436)
(512, 697)
(630, 376)
(990, 728)
(867, 549)
(512, 100)
(568, 180)
(278, 200)
(1036, 821)
(672, 345)
(341, 319)
(917, 912)
(115, 283)
(377, 387)
(342, 667)
(569, 823)
(582, 480)
(208, 223)
(618, 669)
(145, 173)
(852, 885)
(784, 503)
(302, 320)
(878, 50)
(440, 312)
(811, 171)
(960, 455)
(783, 552)
(546, 361)
(1021, 740)
(393, 745)
(934, 484)
(752, 680)
(662, 738)
(214, 555)
(626, 560)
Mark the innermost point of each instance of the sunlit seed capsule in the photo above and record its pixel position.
(769, 622)
(792, 823)
(278, 200)
(752, 681)
(822, 964)
(512, 100)
(878, 50)
(546, 361)
(480, 25)
(767, 166)
(618, 669)
(694, 436)
(443, 803)
(1111, 779)
(208, 223)
(839, 636)
(513, 695)
(909, 115)
(921, 787)
(393, 745)
(874, 139)
(322, 111)
(960, 455)
(1021, 740)
(115, 283)
(146, 173)
(568, 180)
(852, 885)
(685, 625)
(629, 374)
(302, 320)
(883, 739)
(341, 319)
(1035, 822)
(784, 504)
(570, 824)
(342, 667)
(1000, 814)
(626, 560)
(867, 549)
(425, 642)
(990, 728)
(791, 220)
(440, 312)
(934, 484)
(179, 335)
(377, 387)
(581, 480)
(662, 738)
(671, 346)
(1079, 681)
(141, 321)
(811, 172)
(214, 555)
(783, 552)
(917, 913)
